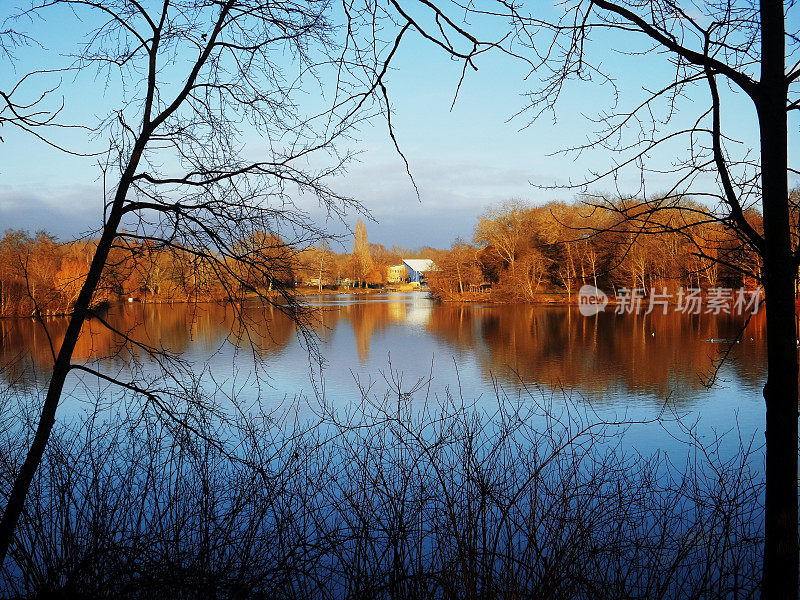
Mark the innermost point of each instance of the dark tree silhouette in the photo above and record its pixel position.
(714, 50)
(195, 80)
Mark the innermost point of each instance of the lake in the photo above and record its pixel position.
(615, 366)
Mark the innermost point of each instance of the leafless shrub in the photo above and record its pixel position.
(397, 496)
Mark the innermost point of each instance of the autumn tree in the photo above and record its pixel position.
(502, 228)
(361, 257)
(532, 273)
(318, 263)
(457, 270)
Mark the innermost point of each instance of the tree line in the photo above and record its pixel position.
(41, 275)
(530, 253)
(520, 252)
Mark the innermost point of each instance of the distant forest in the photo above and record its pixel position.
(519, 252)
(40, 274)
(530, 253)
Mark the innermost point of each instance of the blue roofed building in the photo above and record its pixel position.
(416, 268)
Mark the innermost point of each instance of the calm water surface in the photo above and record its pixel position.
(614, 364)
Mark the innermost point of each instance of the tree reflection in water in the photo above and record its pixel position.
(550, 346)
(555, 346)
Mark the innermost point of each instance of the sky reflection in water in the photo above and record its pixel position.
(617, 364)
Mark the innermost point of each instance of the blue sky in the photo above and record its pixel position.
(463, 159)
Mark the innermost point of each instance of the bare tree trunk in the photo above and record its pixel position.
(780, 393)
(61, 368)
